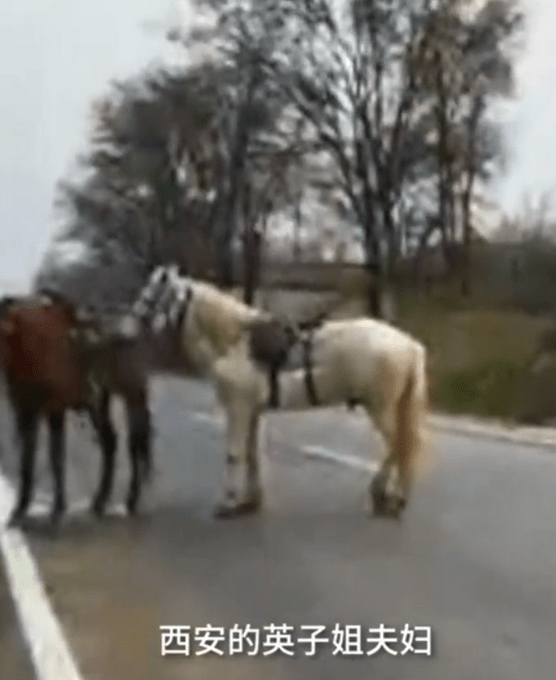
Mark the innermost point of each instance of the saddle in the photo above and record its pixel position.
(272, 345)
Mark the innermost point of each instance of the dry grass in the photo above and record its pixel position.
(480, 359)
(460, 339)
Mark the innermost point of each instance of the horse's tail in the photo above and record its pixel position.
(412, 437)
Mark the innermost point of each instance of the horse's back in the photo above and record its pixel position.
(369, 353)
(374, 334)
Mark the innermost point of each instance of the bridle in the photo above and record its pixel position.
(165, 301)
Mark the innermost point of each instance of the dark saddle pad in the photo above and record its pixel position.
(276, 345)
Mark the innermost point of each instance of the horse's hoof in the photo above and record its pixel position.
(250, 506)
(225, 511)
(98, 508)
(390, 507)
(16, 519)
(379, 508)
(132, 507)
(57, 516)
(378, 483)
(379, 502)
(395, 513)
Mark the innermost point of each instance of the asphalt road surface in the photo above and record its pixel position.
(473, 559)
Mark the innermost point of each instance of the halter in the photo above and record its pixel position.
(165, 299)
(150, 297)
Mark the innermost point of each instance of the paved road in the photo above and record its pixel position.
(473, 559)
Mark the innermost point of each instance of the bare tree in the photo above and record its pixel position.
(464, 63)
(374, 82)
(337, 73)
(150, 133)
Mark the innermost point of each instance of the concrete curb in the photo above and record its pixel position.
(544, 437)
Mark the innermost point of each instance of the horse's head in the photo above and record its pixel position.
(154, 294)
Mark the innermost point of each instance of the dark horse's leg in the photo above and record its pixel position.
(139, 426)
(103, 426)
(56, 422)
(27, 425)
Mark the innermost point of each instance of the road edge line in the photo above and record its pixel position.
(50, 653)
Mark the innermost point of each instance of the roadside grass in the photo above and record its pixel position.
(481, 358)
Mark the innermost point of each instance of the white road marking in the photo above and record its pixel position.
(215, 421)
(324, 453)
(50, 653)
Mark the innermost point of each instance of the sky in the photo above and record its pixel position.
(57, 57)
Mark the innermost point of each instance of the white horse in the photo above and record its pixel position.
(258, 363)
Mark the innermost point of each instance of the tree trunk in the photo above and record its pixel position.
(443, 161)
(466, 210)
(297, 231)
(231, 188)
(374, 307)
(224, 252)
(374, 269)
(478, 107)
(251, 264)
(392, 238)
(227, 228)
(420, 275)
(168, 197)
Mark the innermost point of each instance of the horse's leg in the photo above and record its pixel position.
(385, 421)
(139, 426)
(241, 431)
(254, 493)
(105, 430)
(401, 422)
(27, 425)
(57, 455)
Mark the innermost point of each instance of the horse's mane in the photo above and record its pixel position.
(221, 317)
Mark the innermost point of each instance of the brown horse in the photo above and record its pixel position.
(51, 366)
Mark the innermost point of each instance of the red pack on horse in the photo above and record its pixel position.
(40, 357)
(47, 372)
